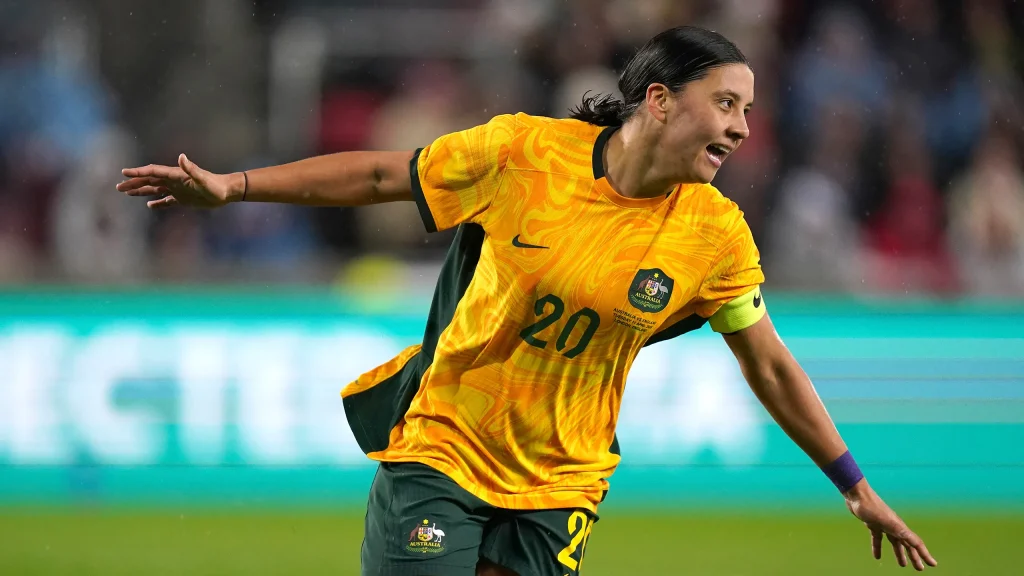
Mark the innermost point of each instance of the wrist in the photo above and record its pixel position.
(237, 187)
(860, 491)
(844, 473)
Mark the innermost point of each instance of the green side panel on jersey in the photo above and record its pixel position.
(374, 412)
(688, 324)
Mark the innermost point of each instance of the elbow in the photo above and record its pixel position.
(376, 184)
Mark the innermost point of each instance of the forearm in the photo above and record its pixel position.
(342, 179)
(788, 395)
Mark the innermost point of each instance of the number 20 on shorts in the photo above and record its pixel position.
(579, 530)
(529, 334)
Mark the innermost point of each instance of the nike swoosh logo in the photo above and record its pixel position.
(757, 300)
(518, 244)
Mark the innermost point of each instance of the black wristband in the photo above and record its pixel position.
(245, 189)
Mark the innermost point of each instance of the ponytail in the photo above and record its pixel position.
(600, 110)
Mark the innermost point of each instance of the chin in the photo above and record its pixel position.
(704, 176)
(700, 173)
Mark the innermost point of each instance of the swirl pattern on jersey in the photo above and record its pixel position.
(519, 403)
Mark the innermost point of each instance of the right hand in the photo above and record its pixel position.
(869, 508)
(183, 185)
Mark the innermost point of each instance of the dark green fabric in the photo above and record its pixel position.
(405, 495)
(374, 412)
(417, 193)
(688, 324)
(529, 541)
(597, 156)
(401, 498)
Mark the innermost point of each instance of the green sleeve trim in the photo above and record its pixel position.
(417, 193)
(739, 313)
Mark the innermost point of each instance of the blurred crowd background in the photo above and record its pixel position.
(886, 151)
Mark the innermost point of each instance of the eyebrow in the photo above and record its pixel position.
(734, 96)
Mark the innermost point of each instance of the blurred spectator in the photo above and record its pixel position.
(97, 237)
(838, 61)
(570, 90)
(635, 21)
(906, 246)
(996, 46)
(987, 219)
(51, 108)
(866, 128)
(261, 235)
(433, 100)
(17, 258)
(178, 254)
(931, 66)
(812, 237)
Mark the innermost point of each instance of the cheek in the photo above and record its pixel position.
(691, 134)
(687, 142)
(695, 135)
(712, 128)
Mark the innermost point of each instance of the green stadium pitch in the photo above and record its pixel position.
(113, 542)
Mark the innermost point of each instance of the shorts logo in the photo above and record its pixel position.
(426, 538)
(650, 290)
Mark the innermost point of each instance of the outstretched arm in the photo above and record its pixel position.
(343, 179)
(787, 393)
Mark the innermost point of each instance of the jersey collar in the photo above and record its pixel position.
(605, 187)
(599, 144)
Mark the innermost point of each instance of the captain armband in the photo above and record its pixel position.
(739, 313)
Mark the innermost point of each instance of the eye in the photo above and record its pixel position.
(726, 104)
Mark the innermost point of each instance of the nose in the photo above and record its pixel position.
(738, 129)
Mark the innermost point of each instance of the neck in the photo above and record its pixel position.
(630, 163)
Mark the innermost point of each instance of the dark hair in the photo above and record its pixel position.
(674, 58)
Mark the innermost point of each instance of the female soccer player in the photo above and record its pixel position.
(579, 242)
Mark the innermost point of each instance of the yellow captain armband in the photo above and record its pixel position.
(739, 313)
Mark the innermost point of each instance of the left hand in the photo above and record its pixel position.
(183, 185)
(867, 506)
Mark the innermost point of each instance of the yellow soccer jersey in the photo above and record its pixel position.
(553, 284)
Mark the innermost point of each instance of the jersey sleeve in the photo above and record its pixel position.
(456, 177)
(730, 296)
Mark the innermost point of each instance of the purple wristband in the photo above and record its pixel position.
(843, 472)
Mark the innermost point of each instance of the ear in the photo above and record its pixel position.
(658, 101)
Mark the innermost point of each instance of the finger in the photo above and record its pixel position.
(876, 544)
(897, 549)
(915, 541)
(915, 558)
(189, 167)
(148, 191)
(156, 170)
(162, 203)
(135, 183)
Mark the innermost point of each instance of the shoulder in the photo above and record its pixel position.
(711, 214)
(560, 131)
(560, 127)
(554, 145)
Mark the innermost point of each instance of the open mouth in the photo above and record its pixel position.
(717, 153)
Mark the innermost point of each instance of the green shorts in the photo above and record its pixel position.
(421, 523)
